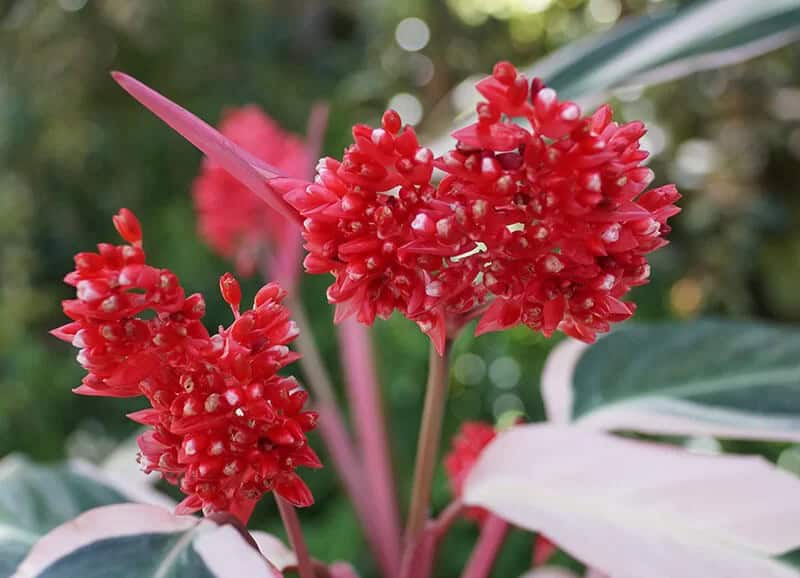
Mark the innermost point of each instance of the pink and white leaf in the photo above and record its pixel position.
(223, 551)
(633, 509)
(549, 572)
(274, 550)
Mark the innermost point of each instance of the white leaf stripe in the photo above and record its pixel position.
(718, 378)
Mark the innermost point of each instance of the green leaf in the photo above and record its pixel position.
(669, 44)
(144, 541)
(710, 377)
(663, 45)
(34, 499)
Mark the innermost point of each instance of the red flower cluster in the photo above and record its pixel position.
(364, 216)
(233, 220)
(551, 221)
(467, 446)
(226, 427)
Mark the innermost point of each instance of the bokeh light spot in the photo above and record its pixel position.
(604, 11)
(407, 106)
(72, 5)
(505, 403)
(504, 372)
(412, 34)
(469, 369)
(686, 296)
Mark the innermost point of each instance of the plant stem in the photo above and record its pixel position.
(428, 443)
(368, 416)
(331, 423)
(418, 560)
(305, 567)
(336, 436)
(493, 534)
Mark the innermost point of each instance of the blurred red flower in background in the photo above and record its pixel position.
(233, 220)
(466, 448)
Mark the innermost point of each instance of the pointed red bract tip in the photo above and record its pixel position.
(231, 291)
(244, 166)
(128, 226)
(120, 77)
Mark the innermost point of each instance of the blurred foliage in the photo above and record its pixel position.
(74, 148)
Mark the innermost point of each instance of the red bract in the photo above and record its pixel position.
(226, 427)
(467, 446)
(558, 208)
(550, 220)
(371, 221)
(233, 220)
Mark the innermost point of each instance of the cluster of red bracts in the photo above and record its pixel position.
(225, 426)
(546, 224)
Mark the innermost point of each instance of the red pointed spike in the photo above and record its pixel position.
(128, 226)
(253, 173)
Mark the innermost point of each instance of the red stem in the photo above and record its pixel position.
(493, 534)
(305, 567)
(315, 133)
(418, 560)
(430, 433)
(335, 434)
(368, 416)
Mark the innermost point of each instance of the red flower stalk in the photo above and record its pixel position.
(226, 427)
(467, 446)
(232, 219)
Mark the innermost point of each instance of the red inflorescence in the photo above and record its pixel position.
(467, 446)
(546, 225)
(372, 221)
(233, 220)
(225, 426)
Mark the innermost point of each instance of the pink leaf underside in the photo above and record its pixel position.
(643, 415)
(556, 572)
(251, 171)
(227, 555)
(592, 573)
(549, 572)
(557, 379)
(275, 550)
(222, 548)
(634, 509)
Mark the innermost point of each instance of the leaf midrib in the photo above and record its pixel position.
(172, 554)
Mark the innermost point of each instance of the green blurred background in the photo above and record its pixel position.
(74, 148)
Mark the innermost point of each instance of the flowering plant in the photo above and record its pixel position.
(538, 215)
